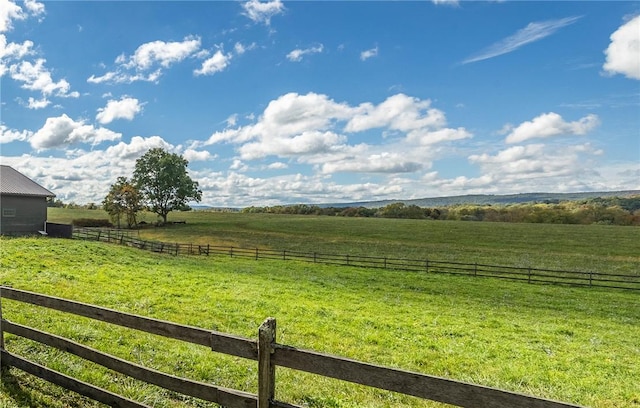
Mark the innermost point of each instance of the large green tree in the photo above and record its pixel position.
(162, 179)
(123, 200)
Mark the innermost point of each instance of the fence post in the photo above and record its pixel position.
(426, 265)
(475, 269)
(529, 281)
(284, 255)
(347, 259)
(590, 278)
(315, 257)
(256, 254)
(231, 252)
(207, 249)
(266, 370)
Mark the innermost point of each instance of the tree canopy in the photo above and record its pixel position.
(162, 179)
(123, 199)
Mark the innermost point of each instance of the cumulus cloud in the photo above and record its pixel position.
(36, 77)
(261, 12)
(11, 135)
(297, 54)
(397, 112)
(315, 130)
(63, 131)
(38, 103)
(10, 51)
(623, 53)
(148, 61)
(218, 62)
(536, 161)
(196, 155)
(10, 11)
(126, 108)
(375, 163)
(532, 32)
(551, 124)
(137, 147)
(370, 53)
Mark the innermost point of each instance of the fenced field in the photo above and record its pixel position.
(561, 343)
(529, 274)
(265, 350)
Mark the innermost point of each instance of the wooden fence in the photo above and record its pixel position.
(530, 275)
(266, 351)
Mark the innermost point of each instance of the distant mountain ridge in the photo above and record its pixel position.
(489, 199)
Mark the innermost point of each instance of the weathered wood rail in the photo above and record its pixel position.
(529, 275)
(266, 351)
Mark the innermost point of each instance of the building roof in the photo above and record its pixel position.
(12, 182)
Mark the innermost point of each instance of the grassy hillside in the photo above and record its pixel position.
(573, 344)
(596, 248)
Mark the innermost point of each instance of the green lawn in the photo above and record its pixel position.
(590, 248)
(578, 345)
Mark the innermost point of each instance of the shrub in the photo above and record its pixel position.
(91, 222)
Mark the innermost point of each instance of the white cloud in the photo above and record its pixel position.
(623, 54)
(148, 61)
(192, 155)
(397, 112)
(36, 77)
(13, 51)
(163, 53)
(63, 131)
(521, 167)
(426, 137)
(305, 143)
(375, 163)
(446, 2)
(218, 62)
(551, 124)
(277, 166)
(312, 129)
(38, 103)
(370, 53)
(532, 32)
(240, 48)
(261, 12)
(10, 11)
(11, 135)
(297, 54)
(126, 108)
(137, 147)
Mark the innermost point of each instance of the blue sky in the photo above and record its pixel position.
(323, 102)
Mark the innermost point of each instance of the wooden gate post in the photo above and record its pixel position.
(266, 370)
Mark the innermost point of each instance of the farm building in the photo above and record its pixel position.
(23, 203)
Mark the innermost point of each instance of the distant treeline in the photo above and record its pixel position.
(608, 210)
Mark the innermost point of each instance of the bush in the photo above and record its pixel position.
(91, 222)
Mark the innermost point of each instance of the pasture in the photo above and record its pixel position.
(578, 345)
(590, 248)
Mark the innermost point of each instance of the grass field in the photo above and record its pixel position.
(578, 345)
(590, 248)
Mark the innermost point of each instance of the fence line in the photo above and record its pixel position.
(525, 274)
(265, 350)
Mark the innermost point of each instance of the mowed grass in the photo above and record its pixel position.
(589, 248)
(577, 345)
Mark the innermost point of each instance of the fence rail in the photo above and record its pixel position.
(530, 275)
(265, 350)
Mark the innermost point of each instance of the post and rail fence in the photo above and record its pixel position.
(266, 351)
(525, 274)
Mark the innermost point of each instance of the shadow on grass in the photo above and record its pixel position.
(25, 390)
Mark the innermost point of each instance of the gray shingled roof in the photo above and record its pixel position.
(12, 182)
